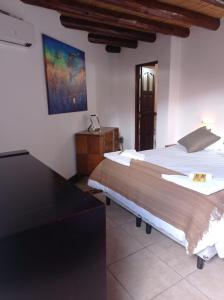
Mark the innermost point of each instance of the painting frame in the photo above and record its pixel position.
(65, 75)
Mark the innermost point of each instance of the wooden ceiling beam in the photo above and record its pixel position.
(217, 3)
(163, 11)
(120, 19)
(97, 28)
(111, 41)
(104, 16)
(44, 3)
(112, 49)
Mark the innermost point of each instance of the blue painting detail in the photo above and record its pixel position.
(65, 76)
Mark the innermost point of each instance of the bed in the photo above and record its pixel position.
(176, 158)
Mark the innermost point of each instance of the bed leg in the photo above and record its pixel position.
(107, 200)
(200, 263)
(148, 228)
(138, 221)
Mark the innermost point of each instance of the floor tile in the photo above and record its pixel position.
(110, 223)
(120, 244)
(175, 256)
(181, 291)
(115, 212)
(100, 196)
(140, 235)
(114, 290)
(210, 279)
(118, 214)
(144, 275)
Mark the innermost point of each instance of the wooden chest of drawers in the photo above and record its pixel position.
(90, 147)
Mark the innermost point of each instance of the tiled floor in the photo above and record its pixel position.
(143, 267)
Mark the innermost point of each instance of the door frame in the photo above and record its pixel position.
(137, 69)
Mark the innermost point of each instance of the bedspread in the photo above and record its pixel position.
(185, 209)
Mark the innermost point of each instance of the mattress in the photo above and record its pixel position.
(177, 159)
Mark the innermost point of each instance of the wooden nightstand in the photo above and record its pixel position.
(90, 147)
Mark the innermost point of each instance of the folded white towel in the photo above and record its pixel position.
(125, 157)
(116, 157)
(133, 154)
(206, 188)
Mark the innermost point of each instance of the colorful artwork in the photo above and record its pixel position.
(65, 76)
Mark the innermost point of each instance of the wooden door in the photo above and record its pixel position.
(145, 112)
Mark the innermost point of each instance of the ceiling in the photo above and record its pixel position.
(122, 23)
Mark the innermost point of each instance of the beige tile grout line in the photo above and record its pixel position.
(115, 278)
(144, 248)
(129, 292)
(181, 279)
(196, 286)
(166, 289)
(176, 284)
(119, 260)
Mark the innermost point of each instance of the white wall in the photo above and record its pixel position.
(118, 108)
(202, 81)
(24, 119)
(174, 89)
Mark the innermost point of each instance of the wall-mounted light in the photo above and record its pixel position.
(208, 123)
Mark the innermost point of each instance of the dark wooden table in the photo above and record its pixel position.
(52, 235)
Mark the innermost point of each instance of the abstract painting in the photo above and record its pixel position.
(65, 77)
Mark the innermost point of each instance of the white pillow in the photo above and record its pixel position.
(217, 146)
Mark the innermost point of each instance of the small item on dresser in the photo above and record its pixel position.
(200, 177)
(94, 124)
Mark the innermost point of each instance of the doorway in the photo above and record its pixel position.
(145, 106)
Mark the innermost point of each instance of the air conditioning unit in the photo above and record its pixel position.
(15, 31)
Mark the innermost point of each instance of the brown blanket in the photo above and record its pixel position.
(142, 183)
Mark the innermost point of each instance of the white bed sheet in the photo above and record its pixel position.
(177, 159)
